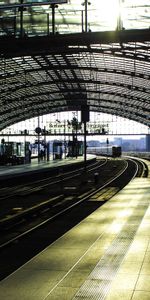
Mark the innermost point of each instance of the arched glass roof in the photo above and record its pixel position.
(107, 70)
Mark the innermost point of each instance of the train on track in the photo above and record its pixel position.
(112, 151)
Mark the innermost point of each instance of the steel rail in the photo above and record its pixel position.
(32, 186)
(84, 198)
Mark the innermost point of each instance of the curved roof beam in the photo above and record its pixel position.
(57, 73)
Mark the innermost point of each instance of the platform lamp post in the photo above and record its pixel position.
(75, 127)
(86, 19)
(44, 132)
(21, 18)
(38, 131)
(25, 149)
(21, 9)
(107, 142)
(65, 138)
(85, 4)
(53, 6)
(84, 120)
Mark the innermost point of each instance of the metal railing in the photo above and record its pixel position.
(39, 19)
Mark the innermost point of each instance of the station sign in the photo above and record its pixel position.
(38, 130)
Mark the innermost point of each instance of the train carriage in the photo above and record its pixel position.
(112, 151)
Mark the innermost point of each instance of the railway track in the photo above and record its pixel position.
(26, 199)
(67, 210)
(62, 199)
(18, 198)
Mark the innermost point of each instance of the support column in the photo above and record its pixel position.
(85, 158)
(21, 19)
(86, 18)
(53, 18)
(84, 119)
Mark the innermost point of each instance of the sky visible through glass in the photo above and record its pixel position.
(102, 14)
(115, 124)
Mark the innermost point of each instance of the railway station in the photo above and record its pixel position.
(75, 149)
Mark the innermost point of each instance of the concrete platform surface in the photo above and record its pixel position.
(37, 166)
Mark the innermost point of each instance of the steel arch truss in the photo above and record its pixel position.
(110, 74)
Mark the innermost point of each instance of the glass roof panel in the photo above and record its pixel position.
(71, 17)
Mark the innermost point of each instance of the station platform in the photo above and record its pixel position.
(106, 256)
(36, 166)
